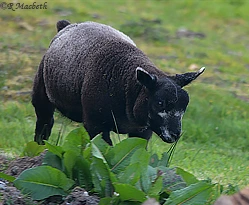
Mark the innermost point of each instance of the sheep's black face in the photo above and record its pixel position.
(167, 102)
(167, 105)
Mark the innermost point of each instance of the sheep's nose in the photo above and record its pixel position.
(166, 136)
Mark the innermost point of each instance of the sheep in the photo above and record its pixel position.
(95, 74)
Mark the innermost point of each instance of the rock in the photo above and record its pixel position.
(80, 196)
(240, 198)
(2, 185)
(151, 201)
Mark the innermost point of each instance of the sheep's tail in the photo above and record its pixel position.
(62, 24)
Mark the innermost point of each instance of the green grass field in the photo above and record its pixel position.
(215, 143)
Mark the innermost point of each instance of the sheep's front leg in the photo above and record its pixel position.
(93, 132)
(106, 137)
(145, 134)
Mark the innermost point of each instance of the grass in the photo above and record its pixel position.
(215, 140)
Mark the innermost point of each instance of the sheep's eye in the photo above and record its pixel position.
(160, 103)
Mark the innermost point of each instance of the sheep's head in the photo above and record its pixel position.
(167, 102)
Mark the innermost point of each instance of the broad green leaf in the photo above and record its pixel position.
(32, 149)
(105, 201)
(82, 173)
(129, 193)
(76, 140)
(57, 150)
(113, 177)
(101, 144)
(53, 160)
(154, 160)
(69, 160)
(164, 160)
(43, 182)
(145, 181)
(101, 177)
(137, 167)
(187, 177)
(7, 177)
(195, 194)
(156, 187)
(152, 173)
(119, 156)
(110, 201)
(131, 174)
(142, 157)
(150, 177)
(97, 153)
(87, 152)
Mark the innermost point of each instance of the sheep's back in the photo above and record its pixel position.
(82, 53)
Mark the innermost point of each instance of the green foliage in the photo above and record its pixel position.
(128, 192)
(51, 159)
(101, 175)
(120, 156)
(76, 140)
(155, 162)
(125, 173)
(7, 177)
(192, 195)
(215, 141)
(43, 182)
(32, 149)
(187, 177)
(81, 172)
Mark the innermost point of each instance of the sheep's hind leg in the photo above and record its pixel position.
(44, 110)
(43, 128)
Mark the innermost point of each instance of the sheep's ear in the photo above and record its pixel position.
(62, 24)
(146, 79)
(186, 78)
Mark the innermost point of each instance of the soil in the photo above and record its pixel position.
(10, 195)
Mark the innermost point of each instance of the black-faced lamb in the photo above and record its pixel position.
(95, 74)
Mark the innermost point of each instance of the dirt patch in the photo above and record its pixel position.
(80, 196)
(10, 195)
(17, 166)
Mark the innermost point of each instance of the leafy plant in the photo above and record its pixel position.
(7, 177)
(43, 182)
(196, 193)
(125, 173)
(32, 149)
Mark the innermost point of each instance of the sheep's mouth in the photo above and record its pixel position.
(168, 136)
